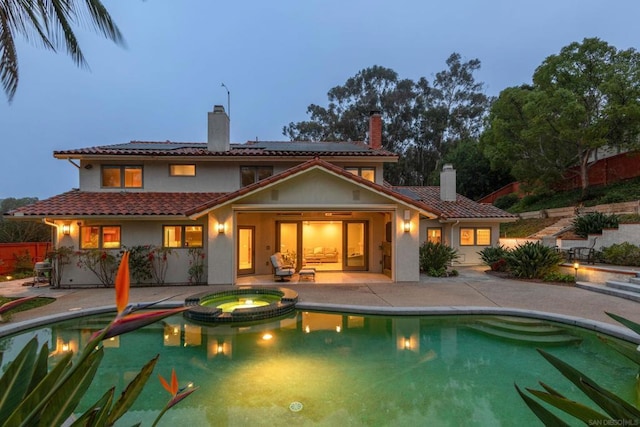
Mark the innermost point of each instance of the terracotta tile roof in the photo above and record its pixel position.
(85, 204)
(461, 208)
(308, 165)
(249, 149)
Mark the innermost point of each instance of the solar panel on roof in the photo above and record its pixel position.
(407, 192)
(153, 146)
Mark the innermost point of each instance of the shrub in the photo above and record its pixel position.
(23, 262)
(492, 255)
(101, 263)
(196, 266)
(140, 262)
(556, 276)
(505, 202)
(593, 223)
(435, 257)
(59, 257)
(159, 259)
(532, 260)
(621, 254)
(500, 265)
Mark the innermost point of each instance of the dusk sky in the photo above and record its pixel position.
(276, 57)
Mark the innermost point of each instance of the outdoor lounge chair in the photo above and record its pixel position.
(280, 272)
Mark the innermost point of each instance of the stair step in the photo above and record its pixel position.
(635, 280)
(625, 286)
(519, 320)
(523, 328)
(632, 296)
(558, 339)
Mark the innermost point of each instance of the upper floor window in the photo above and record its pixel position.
(182, 170)
(367, 173)
(475, 236)
(182, 236)
(122, 176)
(100, 237)
(251, 174)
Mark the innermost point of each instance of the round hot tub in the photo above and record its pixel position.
(240, 304)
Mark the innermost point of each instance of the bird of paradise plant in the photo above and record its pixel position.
(31, 394)
(177, 394)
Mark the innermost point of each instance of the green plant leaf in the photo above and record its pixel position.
(612, 404)
(571, 407)
(65, 398)
(548, 418)
(15, 381)
(97, 414)
(41, 368)
(30, 407)
(627, 350)
(635, 327)
(133, 390)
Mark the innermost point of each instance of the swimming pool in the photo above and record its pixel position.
(318, 368)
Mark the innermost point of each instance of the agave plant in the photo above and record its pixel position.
(617, 411)
(30, 394)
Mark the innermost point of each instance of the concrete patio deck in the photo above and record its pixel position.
(473, 289)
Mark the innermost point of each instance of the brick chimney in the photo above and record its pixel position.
(218, 129)
(448, 183)
(375, 130)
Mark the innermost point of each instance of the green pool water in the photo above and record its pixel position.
(325, 369)
(228, 303)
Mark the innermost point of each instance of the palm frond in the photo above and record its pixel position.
(51, 24)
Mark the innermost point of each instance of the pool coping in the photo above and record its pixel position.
(593, 325)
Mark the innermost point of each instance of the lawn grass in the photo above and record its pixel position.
(525, 227)
(618, 192)
(34, 303)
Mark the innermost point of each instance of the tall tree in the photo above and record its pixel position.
(346, 116)
(49, 23)
(452, 110)
(421, 122)
(584, 98)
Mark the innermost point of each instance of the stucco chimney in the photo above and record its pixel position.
(218, 129)
(448, 183)
(375, 130)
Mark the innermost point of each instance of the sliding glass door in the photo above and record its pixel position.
(356, 245)
(246, 252)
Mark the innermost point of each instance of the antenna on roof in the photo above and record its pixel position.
(228, 100)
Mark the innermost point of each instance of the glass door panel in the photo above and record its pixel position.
(246, 253)
(287, 242)
(355, 245)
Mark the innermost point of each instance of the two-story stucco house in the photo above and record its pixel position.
(320, 204)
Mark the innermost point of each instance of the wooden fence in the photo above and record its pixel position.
(10, 253)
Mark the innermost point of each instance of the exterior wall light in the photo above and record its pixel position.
(407, 221)
(221, 227)
(66, 229)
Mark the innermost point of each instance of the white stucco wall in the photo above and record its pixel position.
(407, 257)
(220, 176)
(451, 237)
(133, 233)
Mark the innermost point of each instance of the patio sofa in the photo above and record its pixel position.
(320, 254)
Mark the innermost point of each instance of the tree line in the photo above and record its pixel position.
(21, 231)
(581, 100)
